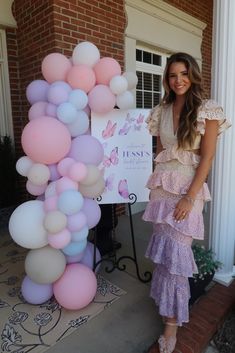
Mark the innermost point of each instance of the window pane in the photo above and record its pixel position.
(139, 96)
(147, 57)
(148, 81)
(157, 83)
(157, 60)
(138, 55)
(156, 98)
(148, 100)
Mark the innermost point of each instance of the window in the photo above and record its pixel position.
(149, 66)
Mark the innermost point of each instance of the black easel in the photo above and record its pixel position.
(115, 262)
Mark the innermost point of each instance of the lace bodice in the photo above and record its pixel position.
(160, 123)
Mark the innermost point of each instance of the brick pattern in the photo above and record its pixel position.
(206, 317)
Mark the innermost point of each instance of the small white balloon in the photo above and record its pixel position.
(118, 84)
(93, 174)
(125, 100)
(23, 165)
(132, 79)
(85, 53)
(39, 174)
(51, 190)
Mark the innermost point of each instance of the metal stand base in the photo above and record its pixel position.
(115, 262)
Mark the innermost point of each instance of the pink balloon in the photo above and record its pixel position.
(76, 288)
(45, 140)
(59, 240)
(81, 76)
(77, 171)
(55, 67)
(101, 99)
(64, 184)
(105, 69)
(35, 190)
(37, 91)
(50, 204)
(37, 110)
(86, 149)
(51, 110)
(64, 165)
(76, 221)
(92, 211)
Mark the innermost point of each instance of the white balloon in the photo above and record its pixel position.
(118, 84)
(93, 174)
(132, 79)
(55, 221)
(80, 125)
(26, 225)
(45, 265)
(39, 174)
(23, 165)
(85, 53)
(125, 100)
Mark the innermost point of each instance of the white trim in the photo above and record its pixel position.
(6, 125)
(6, 16)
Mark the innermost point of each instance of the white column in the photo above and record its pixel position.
(222, 221)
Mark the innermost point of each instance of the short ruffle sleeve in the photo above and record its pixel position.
(211, 110)
(153, 121)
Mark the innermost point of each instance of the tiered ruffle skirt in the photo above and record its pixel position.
(170, 245)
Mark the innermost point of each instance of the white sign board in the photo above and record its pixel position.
(127, 161)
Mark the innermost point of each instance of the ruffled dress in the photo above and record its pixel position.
(170, 243)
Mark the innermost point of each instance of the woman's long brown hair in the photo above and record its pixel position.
(188, 118)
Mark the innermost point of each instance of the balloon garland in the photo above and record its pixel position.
(61, 164)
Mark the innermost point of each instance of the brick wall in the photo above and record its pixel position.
(203, 11)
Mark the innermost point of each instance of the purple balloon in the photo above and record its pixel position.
(92, 211)
(86, 149)
(54, 174)
(51, 110)
(58, 92)
(37, 91)
(35, 293)
(88, 257)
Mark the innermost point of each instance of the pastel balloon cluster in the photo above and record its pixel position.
(61, 164)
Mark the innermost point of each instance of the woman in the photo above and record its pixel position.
(186, 127)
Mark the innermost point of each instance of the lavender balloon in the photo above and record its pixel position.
(86, 149)
(35, 293)
(88, 257)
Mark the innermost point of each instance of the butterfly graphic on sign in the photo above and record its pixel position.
(123, 189)
(112, 159)
(109, 182)
(124, 130)
(109, 130)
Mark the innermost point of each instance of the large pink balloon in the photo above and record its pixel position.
(81, 76)
(101, 99)
(105, 69)
(76, 288)
(45, 140)
(55, 67)
(86, 149)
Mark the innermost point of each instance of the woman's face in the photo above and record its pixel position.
(179, 81)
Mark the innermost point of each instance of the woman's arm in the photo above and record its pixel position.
(207, 152)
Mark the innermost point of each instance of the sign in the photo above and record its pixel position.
(127, 161)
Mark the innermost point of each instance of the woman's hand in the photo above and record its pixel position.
(183, 208)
